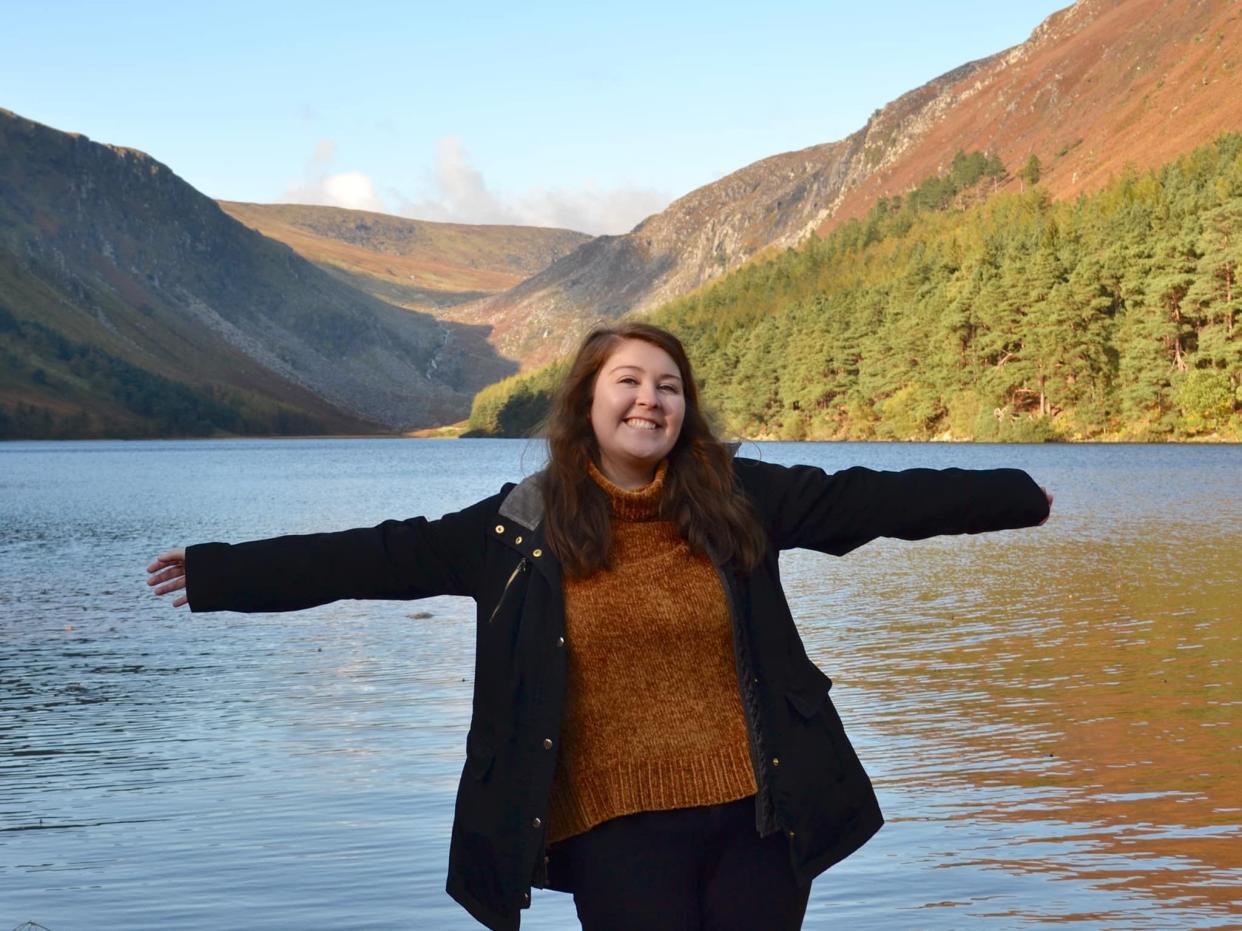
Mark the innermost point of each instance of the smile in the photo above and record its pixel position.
(639, 424)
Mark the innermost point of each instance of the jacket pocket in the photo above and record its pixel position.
(807, 696)
(479, 757)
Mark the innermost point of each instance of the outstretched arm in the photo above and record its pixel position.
(806, 507)
(414, 558)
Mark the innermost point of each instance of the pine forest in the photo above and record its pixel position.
(953, 312)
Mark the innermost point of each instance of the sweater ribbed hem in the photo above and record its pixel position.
(591, 798)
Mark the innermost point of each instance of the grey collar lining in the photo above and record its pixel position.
(524, 504)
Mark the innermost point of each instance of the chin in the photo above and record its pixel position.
(647, 458)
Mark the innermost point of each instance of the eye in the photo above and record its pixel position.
(628, 380)
(670, 388)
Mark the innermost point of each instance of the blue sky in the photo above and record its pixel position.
(561, 114)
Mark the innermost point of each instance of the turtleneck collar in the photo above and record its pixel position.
(632, 504)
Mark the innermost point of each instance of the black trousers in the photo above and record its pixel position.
(690, 869)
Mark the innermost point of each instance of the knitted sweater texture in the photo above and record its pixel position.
(653, 717)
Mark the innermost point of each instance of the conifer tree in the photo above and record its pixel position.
(1032, 171)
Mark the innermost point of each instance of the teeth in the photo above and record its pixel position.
(641, 424)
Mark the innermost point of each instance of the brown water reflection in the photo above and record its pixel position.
(1051, 716)
(1087, 692)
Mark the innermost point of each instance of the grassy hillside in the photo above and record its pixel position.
(414, 263)
(64, 375)
(1113, 316)
(58, 388)
(133, 306)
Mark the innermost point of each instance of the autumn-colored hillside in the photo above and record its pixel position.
(414, 263)
(1097, 87)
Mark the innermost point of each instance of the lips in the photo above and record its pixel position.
(637, 423)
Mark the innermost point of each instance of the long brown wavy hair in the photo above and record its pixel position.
(700, 495)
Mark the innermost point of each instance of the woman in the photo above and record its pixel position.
(647, 731)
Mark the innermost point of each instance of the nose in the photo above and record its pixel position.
(648, 396)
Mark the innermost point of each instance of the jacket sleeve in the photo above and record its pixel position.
(414, 558)
(804, 506)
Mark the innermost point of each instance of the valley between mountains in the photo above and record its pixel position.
(133, 305)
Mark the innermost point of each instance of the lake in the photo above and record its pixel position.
(1052, 717)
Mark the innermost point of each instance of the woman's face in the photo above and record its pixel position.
(637, 411)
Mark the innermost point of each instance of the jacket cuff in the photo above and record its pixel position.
(203, 576)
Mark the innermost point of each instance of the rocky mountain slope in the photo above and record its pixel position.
(1098, 86)
(106, 255)
(417, 264)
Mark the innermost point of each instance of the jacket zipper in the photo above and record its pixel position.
(517, 570)
(764, 821)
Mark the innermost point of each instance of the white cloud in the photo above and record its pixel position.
(350, 189)
(591, 210)
(458, 193)
(461, 195)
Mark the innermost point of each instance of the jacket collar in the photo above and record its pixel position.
(521, 527)
(524, 503)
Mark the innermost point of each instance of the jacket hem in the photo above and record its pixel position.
(480, 912)
(812, 868)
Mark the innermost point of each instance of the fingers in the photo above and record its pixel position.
(163, 575)
(167, 581)
(174, 586)
(166, 573)
(166, 558)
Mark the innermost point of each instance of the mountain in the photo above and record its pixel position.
(131, 304)
(951, 315)
(416, 264)
(1098, 86)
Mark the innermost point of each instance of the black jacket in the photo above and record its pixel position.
(811, 785)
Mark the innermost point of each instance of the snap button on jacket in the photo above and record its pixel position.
(811, 784)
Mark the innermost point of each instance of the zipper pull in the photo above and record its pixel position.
(517, 570)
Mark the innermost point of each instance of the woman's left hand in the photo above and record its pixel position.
(1047, 495)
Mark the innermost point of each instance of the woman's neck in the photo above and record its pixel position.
(627, 476)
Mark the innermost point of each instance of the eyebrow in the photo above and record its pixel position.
(639, 368)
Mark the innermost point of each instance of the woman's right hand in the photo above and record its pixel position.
(167, 574)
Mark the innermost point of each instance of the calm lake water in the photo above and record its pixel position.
(1052, 717)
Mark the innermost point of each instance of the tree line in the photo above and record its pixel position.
(954, 312)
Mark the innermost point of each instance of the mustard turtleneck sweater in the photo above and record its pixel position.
(653, 717)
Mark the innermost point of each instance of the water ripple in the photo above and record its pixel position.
(1050, 716)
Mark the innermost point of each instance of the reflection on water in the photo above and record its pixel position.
(1064, 705)
(1051, 716)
